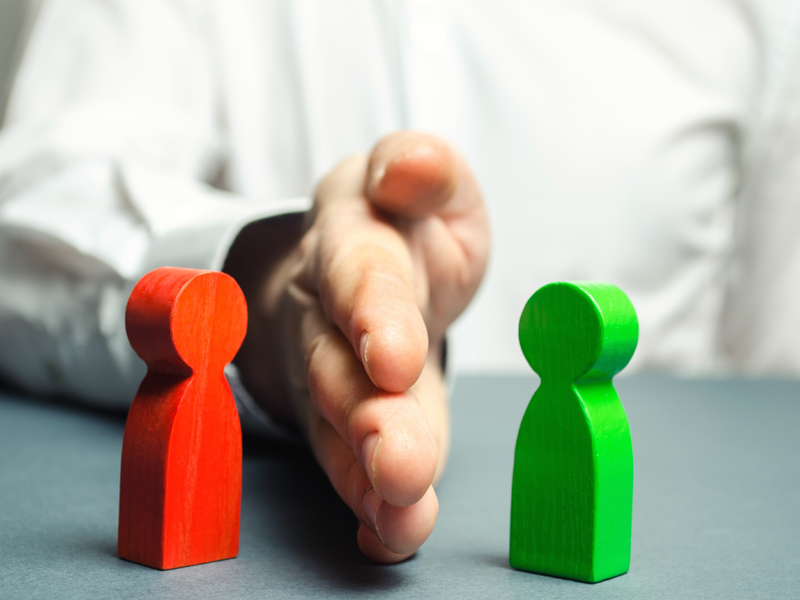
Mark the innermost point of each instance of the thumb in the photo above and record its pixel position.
(411, 174)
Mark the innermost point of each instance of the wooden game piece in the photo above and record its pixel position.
(180, 488)
(572, 492)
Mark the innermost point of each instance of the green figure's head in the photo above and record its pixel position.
(572, 331)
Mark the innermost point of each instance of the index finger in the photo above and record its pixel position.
(361, 268)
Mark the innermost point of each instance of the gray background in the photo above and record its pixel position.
(716, 506)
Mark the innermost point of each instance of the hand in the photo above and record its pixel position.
(346, 336)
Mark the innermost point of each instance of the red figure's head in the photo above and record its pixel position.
(179, 320)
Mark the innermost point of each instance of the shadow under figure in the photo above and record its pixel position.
(572, 494)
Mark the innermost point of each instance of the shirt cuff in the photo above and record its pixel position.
(198, 232)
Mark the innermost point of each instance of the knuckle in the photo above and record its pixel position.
(335, 380)
(355, 484)
(345, 178)
(308, 241)
(314, 361)
(316, 426)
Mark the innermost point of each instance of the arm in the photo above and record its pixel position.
(110, 137)
(762, 319)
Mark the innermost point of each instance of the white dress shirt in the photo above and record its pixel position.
(654, 145)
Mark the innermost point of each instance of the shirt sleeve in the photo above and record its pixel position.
(111, 138)
(762, 319)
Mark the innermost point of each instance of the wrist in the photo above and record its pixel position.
(259, 260)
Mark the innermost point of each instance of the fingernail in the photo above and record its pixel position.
(369, 451)
(371, 504)
(363, 347)
(422, 150)
(375, 179)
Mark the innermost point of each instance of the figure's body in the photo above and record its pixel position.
(572, 497)
(181, 480)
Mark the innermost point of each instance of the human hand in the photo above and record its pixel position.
(348, 334)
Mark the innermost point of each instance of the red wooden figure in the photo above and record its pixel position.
(181, 482)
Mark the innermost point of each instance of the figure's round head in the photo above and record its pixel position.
(573, 331)
(209, 320)
(186, 318)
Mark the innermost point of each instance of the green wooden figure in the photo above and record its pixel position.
(572, 493)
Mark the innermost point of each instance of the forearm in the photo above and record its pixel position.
(65, 276)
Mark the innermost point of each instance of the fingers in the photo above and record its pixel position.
(390, 283)
(419, 176)
(371, 545)
(405, 529)
(388, 433)
(394, 532)
(366, 287)
(362, 271)
(377, 448)
(411, 174)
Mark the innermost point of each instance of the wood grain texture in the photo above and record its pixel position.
(181, 479)
(572, 491)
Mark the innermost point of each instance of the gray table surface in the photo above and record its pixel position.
(716, 506)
